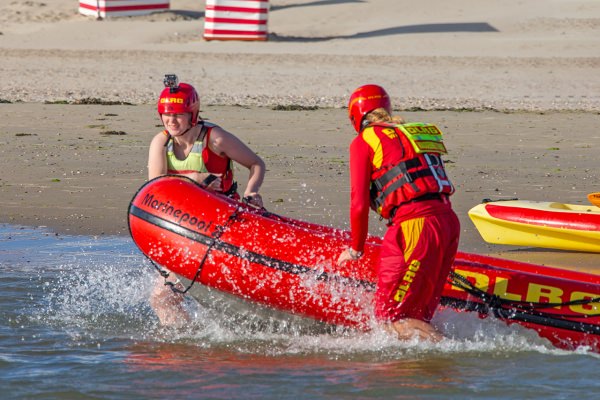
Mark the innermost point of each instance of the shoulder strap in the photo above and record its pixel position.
(203, 132)
(168, 135)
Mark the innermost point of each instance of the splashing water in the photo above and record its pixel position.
(77, 309)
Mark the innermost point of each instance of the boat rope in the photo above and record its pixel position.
(493, 301)
(215, 238)
(497, 304)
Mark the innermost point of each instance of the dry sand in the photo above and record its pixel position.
(515, 86)
(514, 54)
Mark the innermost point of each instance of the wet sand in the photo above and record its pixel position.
(514, 86)
(74, 168)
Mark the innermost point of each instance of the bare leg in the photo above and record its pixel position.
(408, 328)
(168, 305)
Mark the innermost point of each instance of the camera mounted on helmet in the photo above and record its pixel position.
(177, 98)
(172, 82)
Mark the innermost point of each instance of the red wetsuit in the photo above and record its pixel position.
(420, 244)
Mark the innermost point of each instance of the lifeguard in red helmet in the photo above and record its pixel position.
(198, 149)
(396, 169)
(202, 151)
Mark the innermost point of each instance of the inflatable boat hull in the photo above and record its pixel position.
(290, 265)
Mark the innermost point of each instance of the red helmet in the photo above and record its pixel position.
(364, 100)
(178, 98)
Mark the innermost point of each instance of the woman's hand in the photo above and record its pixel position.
(345, 256)
(348, 255)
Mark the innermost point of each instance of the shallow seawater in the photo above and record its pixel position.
(75, 323)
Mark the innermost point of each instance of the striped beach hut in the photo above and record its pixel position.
(121, 8)
(236, 20)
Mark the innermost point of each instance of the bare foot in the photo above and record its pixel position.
(408, 328)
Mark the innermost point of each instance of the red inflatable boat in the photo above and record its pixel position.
(290, 265)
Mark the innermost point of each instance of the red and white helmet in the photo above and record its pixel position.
(178, 98)
(364, 100)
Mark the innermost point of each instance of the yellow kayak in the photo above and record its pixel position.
(539, 224)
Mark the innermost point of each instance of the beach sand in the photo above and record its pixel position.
(514, 86)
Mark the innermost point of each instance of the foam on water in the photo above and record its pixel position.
(98, 289)
(75, 322)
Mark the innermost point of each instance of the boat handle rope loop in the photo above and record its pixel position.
(497, 303)
(216, 235)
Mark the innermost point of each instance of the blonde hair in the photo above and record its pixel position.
(379, 115)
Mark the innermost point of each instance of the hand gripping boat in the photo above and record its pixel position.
(539, 224)
(290, 265)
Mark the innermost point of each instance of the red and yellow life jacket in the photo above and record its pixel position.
(406, 164)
